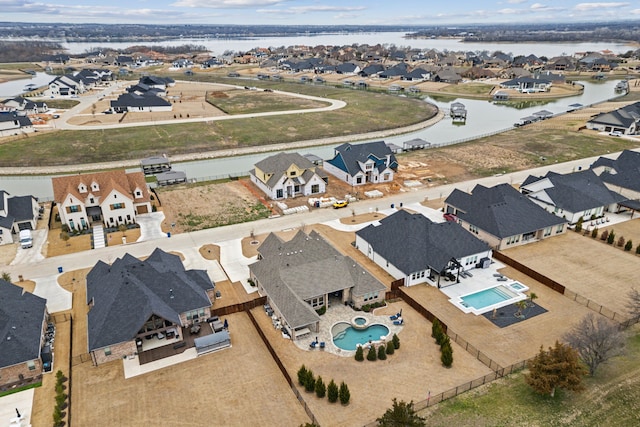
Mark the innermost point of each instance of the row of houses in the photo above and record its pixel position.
(145, 96)
(77, 83)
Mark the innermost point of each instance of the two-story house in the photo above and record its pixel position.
(16, 213)
(113, 198)
(359, 164)
(287, 175)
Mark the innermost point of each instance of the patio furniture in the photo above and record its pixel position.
(395, 316)
(322, 345)
(398, 322)
(195, 329)
(313, 344)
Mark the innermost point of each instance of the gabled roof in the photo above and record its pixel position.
(412, 242)
(306, 267)
(625, 170)
(622, 117)
(125, 182)
(127, 293)
(145, 100)
(501, 211)
(575, 192)
(278, 164)
(349, 156)
(21, 207)
(22, 316)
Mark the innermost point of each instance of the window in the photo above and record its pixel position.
(386, 176)
(296, 188)
(359, 180)
(559, 228)
(107, 351)
(279, 194)
(73, 209)
(31, 365)
(317, 302)
(138, 193)
(547, 232)
(369, 166)
(315, 188)
(117, 206)
(195, 314)
(292, 173)
(91, 200)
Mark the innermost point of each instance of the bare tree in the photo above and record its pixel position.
(596, 339)
(633, 305)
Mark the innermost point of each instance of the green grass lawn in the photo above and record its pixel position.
(611, 398)
(471, 89)
(240, 101)
(62, 104)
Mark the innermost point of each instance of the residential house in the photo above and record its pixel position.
(621, 174)
(305, 274)
(412, 248)
(502, 216)
(287, 175)
(347, 68)
(572, 196)
(132, 302)
(528, 84)
(182, 63)
(16, 213)
(158, 82)
(24, 321)
(22, 106)
(447, 75)
(359, 164)
(625, 120)
(143, 103)
(113, 198)
(66, 85)
(14, 124)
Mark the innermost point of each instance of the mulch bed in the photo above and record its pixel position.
(505, 316)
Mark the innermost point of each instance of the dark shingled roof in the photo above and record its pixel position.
(22, 317)
(412, 242)
(128, 292)
(625, 170)
(501, 211)
(349, 156)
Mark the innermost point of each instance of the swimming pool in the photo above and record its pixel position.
(488, 299)
(347, 337)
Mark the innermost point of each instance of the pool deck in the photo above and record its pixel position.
(341, 313)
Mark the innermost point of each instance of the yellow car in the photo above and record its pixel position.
(340, 204)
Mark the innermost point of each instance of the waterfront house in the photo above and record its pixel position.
(287, 175)
(359, 164)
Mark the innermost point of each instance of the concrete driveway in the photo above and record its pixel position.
(33, 254)
(151, 226)
(58, 299)
(22, 401)
(235, 264)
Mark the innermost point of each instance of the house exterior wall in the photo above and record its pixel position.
(11, 374)
(285, 184)
(73, 220)
(201, 318)
(117, 352)
(6, 237)
(113, 216)
(149, 109)
(626, 192)
(32, 221)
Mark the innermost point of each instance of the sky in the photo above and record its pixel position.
(317, 12)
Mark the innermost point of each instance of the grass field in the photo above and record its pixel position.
(240, 101)
(612, 398)
(63, 104)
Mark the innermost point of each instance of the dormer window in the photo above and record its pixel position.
(138, 193)
(82, 188)
(95, 186)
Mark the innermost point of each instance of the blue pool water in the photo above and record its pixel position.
(360, 321)
(346, 337)
(487, 297)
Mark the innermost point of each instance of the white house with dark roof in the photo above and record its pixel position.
(413, 248)
(359, 164)
(625, 120)
(133, 301)
(145, 102)
(572, 196)
(23, 319)
(502, 216)
(287, 175)
(16, 213)
(113, 197)
(306, 273)
(622, 174)
(14, 124)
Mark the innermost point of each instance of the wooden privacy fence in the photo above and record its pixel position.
(550, 283)
(237, 308)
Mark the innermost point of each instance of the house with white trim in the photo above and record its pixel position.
(16, 213)
(287, 175)
(359, 164)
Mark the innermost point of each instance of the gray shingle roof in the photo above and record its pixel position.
(625, 170)
(22, 317)
(135, 100)
(501, 211)
(21, 207)
(349, 156)
(412, 242)
(306, 267)
(128, 292)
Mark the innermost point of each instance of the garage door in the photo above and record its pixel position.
(24, 226)
(143, 209)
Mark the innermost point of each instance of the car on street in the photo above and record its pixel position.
(340, 204)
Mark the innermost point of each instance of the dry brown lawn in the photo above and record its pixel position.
(588, 267)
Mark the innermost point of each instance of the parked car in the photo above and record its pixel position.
(615, 133)
(340, 204)
(450, 217)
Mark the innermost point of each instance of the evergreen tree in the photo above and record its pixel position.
(611, 237)
(436, 328)
(302, 375)
(359, 354)
(344, 393)
(594, 233)
(396, 341)
(321, 389)
(371, 355)
(446, 354)
(559, 367)
(390, 348)
(310, 382)
(628, 246)
(382, 354)
(332, 392)
(401, 414)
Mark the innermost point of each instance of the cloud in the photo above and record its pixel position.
(299, 10)
(583, 7)
(516, 1)
(226, 4)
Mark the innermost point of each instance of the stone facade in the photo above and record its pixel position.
(11, 374)
(114, 352)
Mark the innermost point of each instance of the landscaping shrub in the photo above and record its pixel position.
(611, 237)
(579, 225)
(371, 355)
(366, 308)
(390, 348)
(605, 235)
(344, 393)
(322, 310)
(382, 353)
(638, 250)
(447, 354)
(621, 241)
(436, 328)
(332, 392)
(628, 246)
(359, 354)
(396, 341)
(594, 233)
(302, 375)
(321, 389)
(310, 382)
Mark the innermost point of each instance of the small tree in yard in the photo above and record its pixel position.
(371, 355)
(579, 225)
(6, 276)
(521, 306)
(390, 348)
(611, 237)
(344, 394)
(401, 414)
(310, 382)
(64, 236)
(559, 367)
(436, 328)
(396, 341)
(302, 375)
(638, 250)
(604, 236)
(594, 233)
(446, 354)
(332, 392)
(633, 305)
(621, 241)
(596, 339)
(122, 228)
(321, 389)
(359, 354)
(628, 246)
(532, 297)
(382, 353)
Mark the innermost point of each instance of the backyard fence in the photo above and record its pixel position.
(550, 283)
(237, 308)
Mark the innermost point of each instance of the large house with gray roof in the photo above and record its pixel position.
(621, 174)
(16, 213)
(287, 175)
(625, 120)
(23, 320)
(359, 164)
(411, 247)
(572, 196)
(306, 273)
(133, 301)
(502, 216)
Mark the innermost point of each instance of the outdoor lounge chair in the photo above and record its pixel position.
(321, 345)
(313, 344)
(398, 322)
(395, 316)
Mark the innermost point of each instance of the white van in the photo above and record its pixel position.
(26, 240)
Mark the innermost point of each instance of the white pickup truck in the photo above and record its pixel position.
(26, 239)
